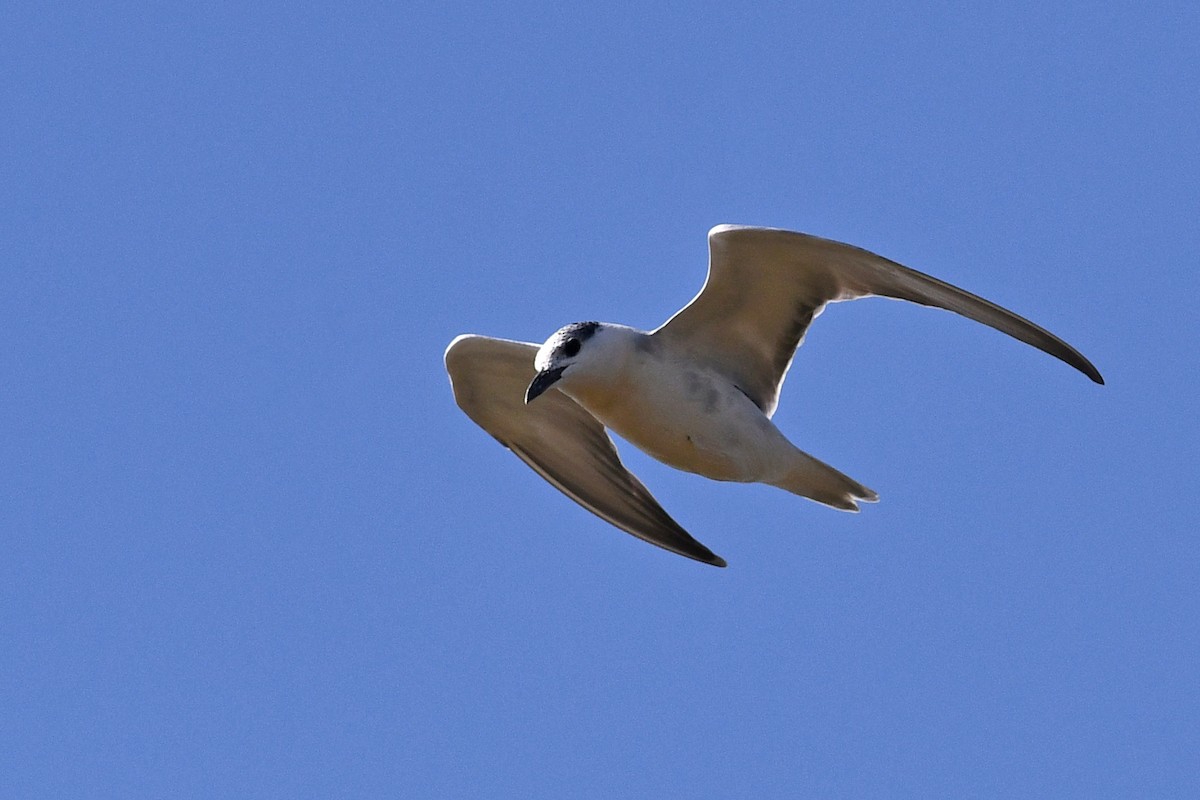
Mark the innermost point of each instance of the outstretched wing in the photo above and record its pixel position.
(765, 286)
(560, 440)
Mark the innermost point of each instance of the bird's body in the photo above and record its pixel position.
(698, 393)
(695, 419)
(677, 411)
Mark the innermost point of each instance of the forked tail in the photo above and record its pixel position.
(816, 480)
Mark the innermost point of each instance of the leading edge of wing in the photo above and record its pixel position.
(559, 440)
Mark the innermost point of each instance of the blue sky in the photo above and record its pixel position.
(251, 548)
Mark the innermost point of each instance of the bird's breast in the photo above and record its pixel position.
(688, 419)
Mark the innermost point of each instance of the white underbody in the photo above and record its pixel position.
(687, 417)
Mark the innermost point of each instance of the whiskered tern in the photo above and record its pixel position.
(698, 393)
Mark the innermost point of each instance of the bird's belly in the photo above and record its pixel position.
(714, 431)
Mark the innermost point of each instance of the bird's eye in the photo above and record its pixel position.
(571, 348)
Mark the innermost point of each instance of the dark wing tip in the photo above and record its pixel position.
(693, 549)
(697, 551)
(1076, 360)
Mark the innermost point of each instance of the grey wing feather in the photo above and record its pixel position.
(765, 286)
(560, 440)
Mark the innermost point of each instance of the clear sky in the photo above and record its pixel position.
(249, 547)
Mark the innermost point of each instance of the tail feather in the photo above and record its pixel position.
(818, 481)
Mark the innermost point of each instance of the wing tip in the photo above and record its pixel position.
(711, 558)
(1076, 360)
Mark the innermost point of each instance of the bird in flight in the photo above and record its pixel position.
(698, 393)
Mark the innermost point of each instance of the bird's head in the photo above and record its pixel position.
(575, 348)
